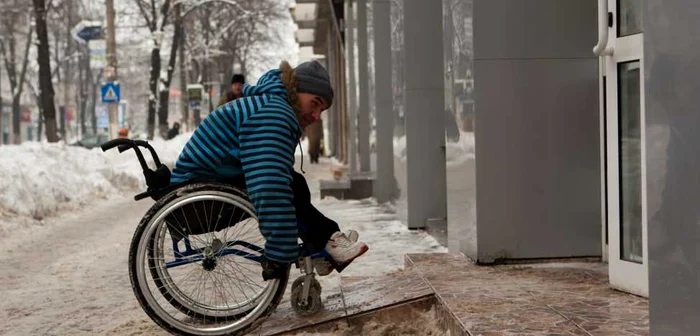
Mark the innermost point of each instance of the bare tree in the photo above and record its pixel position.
(164, 96)
(62, 16)
(215, 35)
(16, 65)
(37, 99)
(156, 17)
(43, 58)
(81, 94)
(222, 36)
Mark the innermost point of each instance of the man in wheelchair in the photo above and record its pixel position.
(250, 143)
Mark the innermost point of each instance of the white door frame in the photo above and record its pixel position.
(625, 275)
(602, 98)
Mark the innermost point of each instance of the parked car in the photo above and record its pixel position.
(92, 141)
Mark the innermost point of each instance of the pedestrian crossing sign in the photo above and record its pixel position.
(110, 92)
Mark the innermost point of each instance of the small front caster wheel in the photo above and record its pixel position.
(307, 307)
(299, 282)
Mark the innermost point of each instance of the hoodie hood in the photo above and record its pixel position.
(269, 83)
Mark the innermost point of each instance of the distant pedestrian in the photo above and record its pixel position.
(236, 92)
(175, 131)
(314, 134)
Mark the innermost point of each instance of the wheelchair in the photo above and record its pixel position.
(194, 259)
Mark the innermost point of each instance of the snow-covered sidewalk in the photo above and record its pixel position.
(387, 237)
(84, 289)
(42, 180)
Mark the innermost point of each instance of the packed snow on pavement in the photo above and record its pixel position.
(43, 180)
(40, 180)
(456, 152)
(73, 201)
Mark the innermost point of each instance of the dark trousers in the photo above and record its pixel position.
(314, 228)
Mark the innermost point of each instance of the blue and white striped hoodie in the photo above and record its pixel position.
(256, 136)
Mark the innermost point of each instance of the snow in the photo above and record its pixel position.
(462, 150)
(455, 152)
(411, 321)
(388, 238)
(54, 294)
(304, 145)
(379, 227)
(41, 179)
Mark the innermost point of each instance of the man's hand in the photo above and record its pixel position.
(273, 270)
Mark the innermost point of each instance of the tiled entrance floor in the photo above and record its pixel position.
(536, 299)
(539, 299)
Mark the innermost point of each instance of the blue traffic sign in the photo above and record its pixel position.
(87, 30)
(111, 92)
(90, 33)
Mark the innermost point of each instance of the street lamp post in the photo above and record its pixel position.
(110, 70)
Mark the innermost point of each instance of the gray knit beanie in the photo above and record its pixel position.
(312, 77)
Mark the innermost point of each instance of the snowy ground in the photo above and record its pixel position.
(455, 152)
(388, 238)
(40, 180)
(66, 274)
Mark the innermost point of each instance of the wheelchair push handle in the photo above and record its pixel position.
(114, 143)
(123, 148)
(150, 149)
(126, 144)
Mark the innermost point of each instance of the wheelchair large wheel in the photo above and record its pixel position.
(194, 263)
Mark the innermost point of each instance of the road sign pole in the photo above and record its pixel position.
(111, 69)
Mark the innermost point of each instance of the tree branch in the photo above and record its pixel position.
(12, 65)
(173, 50)
(145, 16)
(23, 74)
(154, 15)
(7, 64)
(164, 11)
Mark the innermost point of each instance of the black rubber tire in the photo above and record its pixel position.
(313, 305)
(151, 253)
(175, 194)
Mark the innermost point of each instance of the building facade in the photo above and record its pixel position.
(534, 129)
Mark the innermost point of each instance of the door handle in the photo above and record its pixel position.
(604, 21)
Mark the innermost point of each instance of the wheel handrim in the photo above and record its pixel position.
(255, 305)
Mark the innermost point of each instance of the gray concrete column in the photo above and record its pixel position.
(332, 114)
(537, 180)
(425, 105)
(363, 124)
(671, 87)
(384, 185)
(352, 84)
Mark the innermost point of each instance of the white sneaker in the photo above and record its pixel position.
(343, 250)
(353, 235)
(323, 267)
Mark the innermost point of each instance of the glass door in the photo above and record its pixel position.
(626, 169)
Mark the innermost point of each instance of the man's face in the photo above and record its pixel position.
(310, 108)
(237, 88)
